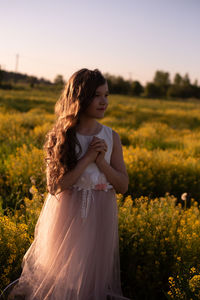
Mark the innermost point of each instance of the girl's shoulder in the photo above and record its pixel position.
(106, 130)
(110, 134)
(109, 130)
(106, 127)
(113, 136)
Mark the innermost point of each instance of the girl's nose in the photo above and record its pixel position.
(104, 100)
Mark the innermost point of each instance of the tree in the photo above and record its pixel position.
(59, 80)
(32, 81)
(161, 78)
(151, 90)
(121, 86)
(136, 88)
(177, 79)
(186, 80)
(182, 87)
(1, 76)
(175, 90)
(162, 82)
(117, 84)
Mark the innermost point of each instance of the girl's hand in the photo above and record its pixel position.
(100, 146)
(100, 157)
(97, 148)
(91, 154)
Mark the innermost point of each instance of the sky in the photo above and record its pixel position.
(125, 38)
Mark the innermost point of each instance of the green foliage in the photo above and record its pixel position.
(184, 282)
(155, 235)
(153, 173)
(161, 144)
(17, 234)
(1, 76)
(160, 138)
(136, 88)
(151, 90)
(14, 241)
(118, 85)
(59, 80)
(19, 168)
(161, 78)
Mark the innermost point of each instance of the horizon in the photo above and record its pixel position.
(52, 81)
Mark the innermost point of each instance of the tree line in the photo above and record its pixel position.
(161, 86)
(9, 79)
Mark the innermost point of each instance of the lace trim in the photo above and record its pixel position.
(87, 196)
(98, 187)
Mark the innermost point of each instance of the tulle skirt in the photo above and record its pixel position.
(71, 257)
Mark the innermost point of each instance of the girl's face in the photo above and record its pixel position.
(98, 106)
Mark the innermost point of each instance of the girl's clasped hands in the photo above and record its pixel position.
(97, 149)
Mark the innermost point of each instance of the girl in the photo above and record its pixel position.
(75, 252)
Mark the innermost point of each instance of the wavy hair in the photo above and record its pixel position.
(61, 146)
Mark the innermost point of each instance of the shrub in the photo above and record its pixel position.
(154, 173)
(154, 235)
(27, 162)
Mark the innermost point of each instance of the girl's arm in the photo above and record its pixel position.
(69, 178)
(115, 172)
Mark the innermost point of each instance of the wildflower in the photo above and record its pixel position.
(179, 258)
(192, 270)
(184, 196)
(194, 284)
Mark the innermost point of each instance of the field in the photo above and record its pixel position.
(161, 145)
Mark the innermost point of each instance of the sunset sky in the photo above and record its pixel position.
(122, 37)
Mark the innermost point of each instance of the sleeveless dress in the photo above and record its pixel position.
(75, 251)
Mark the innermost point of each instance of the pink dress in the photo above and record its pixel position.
(75, 252)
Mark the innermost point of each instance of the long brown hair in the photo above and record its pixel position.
(61, 142)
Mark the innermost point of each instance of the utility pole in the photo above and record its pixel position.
(130, 76)
(17, 62)
(16, 68)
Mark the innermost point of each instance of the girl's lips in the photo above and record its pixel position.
(101, 108)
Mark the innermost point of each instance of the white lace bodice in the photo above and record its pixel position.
(92, 178)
